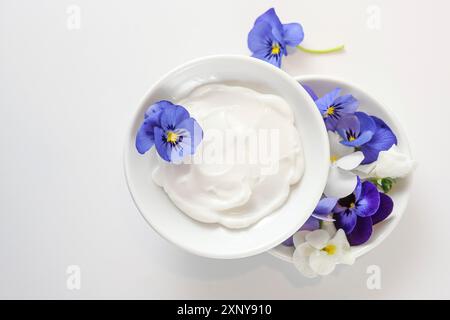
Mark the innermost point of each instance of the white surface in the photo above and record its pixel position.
(399, 194)
(67, 98)
(213, 240)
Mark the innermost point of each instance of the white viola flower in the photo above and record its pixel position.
(329, 227)
(316, 253)
(391, 163)
(341, 180)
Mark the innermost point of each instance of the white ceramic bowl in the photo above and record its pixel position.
(212, 240)
(400, 192)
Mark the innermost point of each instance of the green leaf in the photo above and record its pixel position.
(384, 184)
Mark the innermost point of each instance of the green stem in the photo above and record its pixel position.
(331, 50)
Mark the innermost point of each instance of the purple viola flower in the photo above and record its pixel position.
(364, 225)
(170, 129)
(362, 203)
(334, 107)
(384, 210)
(145, 138)
(382, 140)
(356, 130)
(269, 38)
(368, 134)
(322, 211)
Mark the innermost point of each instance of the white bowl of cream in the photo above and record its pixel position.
(245, 166)
(232, 199)
(400, 193)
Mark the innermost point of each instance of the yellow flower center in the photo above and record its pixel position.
(330, 249)
(172, 137)
(333, 158)
(352, 205)
(275, 48)
(330, 111)
(351, 138)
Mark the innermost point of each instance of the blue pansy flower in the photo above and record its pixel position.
(269, 38)
(356, 130)
(363, 224)
(169, 128)
(368, 134)
(322, 211)
(145, 138)
(383, 139)
(334, 107)
(363, 202)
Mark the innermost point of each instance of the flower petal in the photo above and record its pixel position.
(323, 218)
(350, 161)
(370, 154)
(322, 263)
(348, 258)
(327, 100)
(384, 210)
(337, 149)
(311, 224)
(369, 201)
(346, 221)
(310, 91)
(393, 163)
(301, 260)
(367, 124)
(363, 138)
(340, 239)
(190, 128)
(383, 139)
(329, 227)
(190, 135)
(293, 34)
(155, 109)
(365, 171)
(145, 134)
(164, 149)
(274, 59)
(358, 188)
(270, 17)
(171, 116)
(289, 242)
(346, 103)
(318, 238)
(145, 137)
(330, 123)
(299, 237)
(345, 255)
(364, 128)
(325, 206)
(344, 106)
(361, 232)
(348, 123)
(260, 39)
(340, 183)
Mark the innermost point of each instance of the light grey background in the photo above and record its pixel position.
(67, 97)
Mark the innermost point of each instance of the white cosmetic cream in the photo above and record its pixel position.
(249, 158)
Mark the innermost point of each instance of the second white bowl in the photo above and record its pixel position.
(400, 192)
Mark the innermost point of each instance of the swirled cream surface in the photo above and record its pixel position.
(250, 156)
